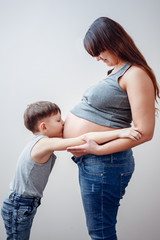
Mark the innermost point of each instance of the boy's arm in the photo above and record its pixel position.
(102, 137)
(43, 149)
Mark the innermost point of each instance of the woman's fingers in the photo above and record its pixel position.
(89, 147)
(76, 149)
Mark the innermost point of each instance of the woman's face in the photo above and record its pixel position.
(108, 57)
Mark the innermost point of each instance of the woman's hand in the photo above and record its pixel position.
(90, 147)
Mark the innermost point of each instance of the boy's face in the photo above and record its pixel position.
(54, 125)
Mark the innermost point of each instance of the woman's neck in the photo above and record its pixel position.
(119, 66)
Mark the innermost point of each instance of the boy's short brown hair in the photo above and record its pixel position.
(37, 111)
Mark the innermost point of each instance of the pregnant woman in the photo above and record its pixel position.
(127, 94)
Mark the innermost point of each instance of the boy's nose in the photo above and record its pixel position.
(98, 58)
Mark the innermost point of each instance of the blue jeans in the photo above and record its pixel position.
(18, 212)
(103, 180)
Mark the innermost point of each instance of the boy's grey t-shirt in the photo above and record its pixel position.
(30, 177)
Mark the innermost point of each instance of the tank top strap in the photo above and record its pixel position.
(121, 71)
(34, 140)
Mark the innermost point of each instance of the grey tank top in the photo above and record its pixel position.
(106, 103)
(31, 178)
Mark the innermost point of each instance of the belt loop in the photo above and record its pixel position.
(9, 194)
(81, 159)
(37, 202)
(111, 158)
(74, 159)
(77, 159)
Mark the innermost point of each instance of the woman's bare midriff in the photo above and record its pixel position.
(76, 126)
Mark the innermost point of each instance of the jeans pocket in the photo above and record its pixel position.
(26, 212)
(92, 166)
(125, 178)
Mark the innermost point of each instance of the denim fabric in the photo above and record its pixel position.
(103, 180)
(18, 212)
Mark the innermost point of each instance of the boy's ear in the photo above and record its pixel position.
(42, 126)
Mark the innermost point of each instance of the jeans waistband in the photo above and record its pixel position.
(23, 200)
(113, 156)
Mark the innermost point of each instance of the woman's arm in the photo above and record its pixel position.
(45, 146)
(140, 90)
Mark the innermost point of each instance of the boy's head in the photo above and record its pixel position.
(44, 117)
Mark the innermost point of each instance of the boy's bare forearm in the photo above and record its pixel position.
(99, 137)
(102, 137)
(58, 144)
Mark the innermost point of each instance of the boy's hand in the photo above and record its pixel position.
(132, 133)
(90, 147)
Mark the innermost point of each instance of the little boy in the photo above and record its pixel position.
(36, 161)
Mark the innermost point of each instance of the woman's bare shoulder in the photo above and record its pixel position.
(136, 75)
(136, 71)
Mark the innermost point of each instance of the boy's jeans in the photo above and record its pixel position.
(103, 180)
(18, 212)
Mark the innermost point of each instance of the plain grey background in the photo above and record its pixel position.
(42, 58)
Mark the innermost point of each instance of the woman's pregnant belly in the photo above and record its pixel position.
(75, 126)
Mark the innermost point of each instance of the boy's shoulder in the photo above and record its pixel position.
(30, 145)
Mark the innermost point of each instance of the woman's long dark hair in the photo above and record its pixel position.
(106, 34)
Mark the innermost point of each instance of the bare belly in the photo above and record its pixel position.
(76, 126)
